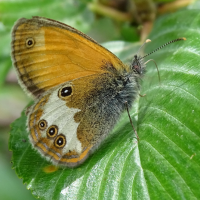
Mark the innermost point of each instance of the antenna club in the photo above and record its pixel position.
(147, 40)
(183, 38)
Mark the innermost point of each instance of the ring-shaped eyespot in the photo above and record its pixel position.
(65, 92)
(30, 42)
(60, 141)
(42, 124)
(52, 131)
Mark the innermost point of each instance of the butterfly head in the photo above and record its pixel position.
(138, 65)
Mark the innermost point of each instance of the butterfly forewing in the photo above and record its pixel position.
(47, 53)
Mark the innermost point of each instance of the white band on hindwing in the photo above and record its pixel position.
(55, 112)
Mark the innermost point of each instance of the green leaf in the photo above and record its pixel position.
(168, 116)
(164, 164)
(72, 12)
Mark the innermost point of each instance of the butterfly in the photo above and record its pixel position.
(79, 87)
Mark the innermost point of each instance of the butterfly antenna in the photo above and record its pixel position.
(172, 41)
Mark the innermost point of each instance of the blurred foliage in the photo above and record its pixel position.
(104, 20)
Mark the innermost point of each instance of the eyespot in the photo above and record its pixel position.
(52, 131)
(42, 124)
(30, 42)
(60, 141)
(65, 92)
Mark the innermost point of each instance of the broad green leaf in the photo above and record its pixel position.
(10, 182)
(164, 164)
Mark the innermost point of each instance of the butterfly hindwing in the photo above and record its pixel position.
(76, 115)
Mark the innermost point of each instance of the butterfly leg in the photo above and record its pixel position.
(156, 68)
(131, 121)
